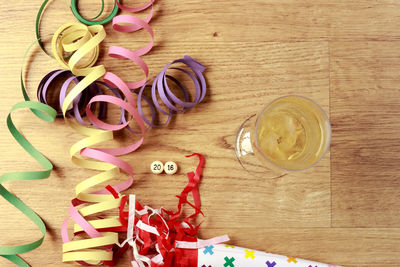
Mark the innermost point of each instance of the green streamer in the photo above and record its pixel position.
(45, 113)
(48, 114)
(37, 25)
(74, 8)
(39, 17)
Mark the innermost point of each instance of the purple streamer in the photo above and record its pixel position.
(159, 89)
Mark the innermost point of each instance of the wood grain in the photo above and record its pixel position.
(365, 104)
(344, 54)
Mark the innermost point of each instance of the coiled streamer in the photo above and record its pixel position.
(45, 113)
(83, 42)
(129, 23)
(161, 89)
(74, 8)
(79, 102)
(161, 238)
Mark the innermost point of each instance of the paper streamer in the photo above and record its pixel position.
(164, 232)
(75, 11)
(41, 12)
(37, 25)
(72, 40)
(83, 41)
(45, 88)
(161, 238)
(158, 237)
(161, 89)
(46, 113)
(129, 23)
(80, 102)
(120, 24)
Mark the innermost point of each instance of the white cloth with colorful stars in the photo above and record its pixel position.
(222, 255)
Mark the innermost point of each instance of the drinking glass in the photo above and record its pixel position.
(292, 133)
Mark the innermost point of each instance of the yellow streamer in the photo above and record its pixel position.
(83, 41)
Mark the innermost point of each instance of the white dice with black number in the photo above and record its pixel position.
(157, 167)
(170, 167)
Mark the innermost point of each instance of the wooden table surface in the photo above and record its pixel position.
(344, 54)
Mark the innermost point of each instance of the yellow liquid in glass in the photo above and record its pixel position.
(292, 132)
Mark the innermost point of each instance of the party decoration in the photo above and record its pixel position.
(233, 256)
(82, 41)
(74, 38)
(129, 23)
(171, 167)
(37, 25)
(80, 102)
(45, 113)
(157, 167)
(160, 87)
(159, 237)
(74, 8)
(156, 237)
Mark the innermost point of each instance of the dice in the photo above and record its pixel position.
(157, 167)
(170, 167)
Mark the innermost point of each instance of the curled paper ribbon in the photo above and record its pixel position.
(75, 11)
(128, 23)
(165, 232)
(169, 99)
(83, 42)
(160, 238)
(79, 102)
(160, 87)
(119, 24)
(73, 7)
(37, 24)
(46, 113)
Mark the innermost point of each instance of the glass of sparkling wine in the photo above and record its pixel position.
(291, 133)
